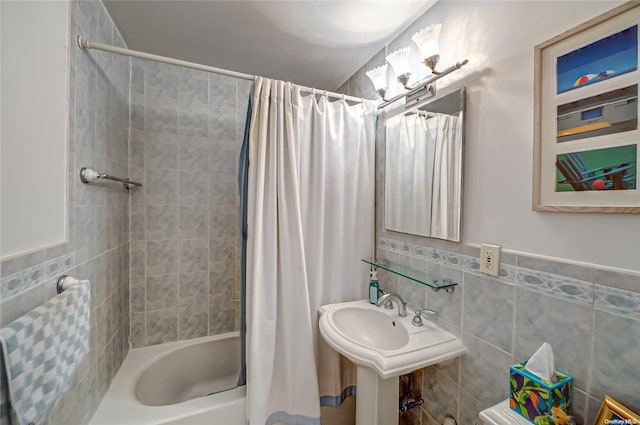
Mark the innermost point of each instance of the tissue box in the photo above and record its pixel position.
(540, 401)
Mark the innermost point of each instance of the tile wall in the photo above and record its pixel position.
(186, 132)
(590, 316)
(98, 247)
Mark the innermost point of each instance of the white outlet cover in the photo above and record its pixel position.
(490, 259)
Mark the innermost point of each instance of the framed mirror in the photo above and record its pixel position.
(423, 168)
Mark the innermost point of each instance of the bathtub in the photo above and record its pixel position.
(177, 383)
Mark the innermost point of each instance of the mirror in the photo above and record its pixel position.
(423, 168)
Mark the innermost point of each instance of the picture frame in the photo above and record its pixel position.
(586, 116)
(613, 413)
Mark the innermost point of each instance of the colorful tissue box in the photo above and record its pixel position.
(540, 401)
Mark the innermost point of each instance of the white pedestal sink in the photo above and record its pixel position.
(383, 346)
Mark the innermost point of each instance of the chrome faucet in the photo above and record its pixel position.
(386, 299)
(417, 319)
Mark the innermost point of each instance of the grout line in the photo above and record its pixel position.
(513, 324)
(592, 326)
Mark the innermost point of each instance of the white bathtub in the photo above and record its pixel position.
(168, 384)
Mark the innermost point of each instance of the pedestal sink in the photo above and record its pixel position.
(383, 346)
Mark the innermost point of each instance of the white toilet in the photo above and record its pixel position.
(501, 414)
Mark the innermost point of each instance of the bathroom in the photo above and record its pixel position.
(164, 260)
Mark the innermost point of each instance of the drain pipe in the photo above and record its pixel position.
(408, 400)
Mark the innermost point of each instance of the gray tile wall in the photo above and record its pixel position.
(99, 217)
(592, 324)
(186, 133)
(590, 315)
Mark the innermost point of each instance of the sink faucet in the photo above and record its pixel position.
(388, 296)
(417, 319)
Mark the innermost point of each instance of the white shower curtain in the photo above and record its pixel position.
(446, 131)
(310, 220)
(409, 175)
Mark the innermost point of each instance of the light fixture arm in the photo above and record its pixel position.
(425, 83)
(433, 78)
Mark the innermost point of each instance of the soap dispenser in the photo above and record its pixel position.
(374, 287)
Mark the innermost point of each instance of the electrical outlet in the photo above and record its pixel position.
(490, 259)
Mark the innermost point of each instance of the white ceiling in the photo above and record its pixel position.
(314, 43)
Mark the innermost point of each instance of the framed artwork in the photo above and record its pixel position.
(586, 132)
(613, 413)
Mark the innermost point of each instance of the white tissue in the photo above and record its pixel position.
(541, 363)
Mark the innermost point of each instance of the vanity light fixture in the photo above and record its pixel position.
(399, 61)
(378, 77)
(427, 41)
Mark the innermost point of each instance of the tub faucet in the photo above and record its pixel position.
(387, 297)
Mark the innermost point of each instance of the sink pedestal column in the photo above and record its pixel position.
(376, 398)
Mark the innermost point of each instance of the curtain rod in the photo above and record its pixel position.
(88, 44)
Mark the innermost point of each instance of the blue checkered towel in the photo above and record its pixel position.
(42, 350)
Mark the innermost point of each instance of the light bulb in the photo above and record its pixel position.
(399, 61)
(378, 77)
(427, 41)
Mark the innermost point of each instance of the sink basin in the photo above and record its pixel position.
(373, 337)
(371, 328)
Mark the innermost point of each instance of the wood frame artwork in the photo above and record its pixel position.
(586, 131)
(613, 413)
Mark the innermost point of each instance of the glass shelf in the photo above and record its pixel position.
(424, 278)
